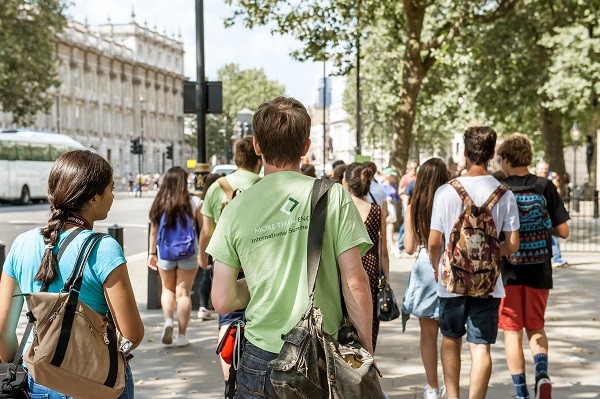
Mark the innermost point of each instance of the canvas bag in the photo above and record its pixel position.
(472, 259)
(13, 377)
(313, 364)
(178, 241)
(534, 233)
(74, 350)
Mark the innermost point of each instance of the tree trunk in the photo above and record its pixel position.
(412, 79)
(552, 137)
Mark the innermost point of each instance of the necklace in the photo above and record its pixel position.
(78, 221)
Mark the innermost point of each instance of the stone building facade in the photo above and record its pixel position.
(119, 82)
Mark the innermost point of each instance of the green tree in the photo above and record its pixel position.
(242, 88)
(417, 33)
(28, 34)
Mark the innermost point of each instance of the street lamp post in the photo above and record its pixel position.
(575, 136)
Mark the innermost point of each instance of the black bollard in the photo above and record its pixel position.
(2, 256)
(116, 232)
(154, 284)
(596, 212)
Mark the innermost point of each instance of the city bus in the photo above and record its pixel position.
(26, 157)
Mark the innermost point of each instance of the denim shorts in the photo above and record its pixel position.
(37, 391)
(190, 263)
(253, 379)
(226, 319)
(480, 315)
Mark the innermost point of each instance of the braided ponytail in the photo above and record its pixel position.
(48, 267)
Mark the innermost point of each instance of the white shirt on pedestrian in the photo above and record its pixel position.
(447, 207)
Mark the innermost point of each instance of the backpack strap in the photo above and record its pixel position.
(226, 187)
(540, 185)
(494, 197)
(462, 192)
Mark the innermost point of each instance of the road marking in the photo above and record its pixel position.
(99, 224)
(136, 257)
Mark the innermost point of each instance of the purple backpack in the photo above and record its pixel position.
(178, 241)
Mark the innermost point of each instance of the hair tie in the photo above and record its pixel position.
(49, 246)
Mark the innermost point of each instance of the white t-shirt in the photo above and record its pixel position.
(447, 207)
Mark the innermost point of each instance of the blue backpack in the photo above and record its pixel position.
(535, 224)
(178, 241)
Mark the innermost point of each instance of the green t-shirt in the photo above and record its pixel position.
(265, 232)
(215, 196)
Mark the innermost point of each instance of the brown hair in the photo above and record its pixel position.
(337, 173)
(76, 177)
(282, 129)
(432, 174)
(244, 155)
(516, 150)
(172, 197)
(358, 178)
(372, 166)
(209, 181)
(479, 143)
(308, 170)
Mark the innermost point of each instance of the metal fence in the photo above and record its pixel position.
(584, 226)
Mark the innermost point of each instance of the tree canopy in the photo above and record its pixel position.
(28, 34)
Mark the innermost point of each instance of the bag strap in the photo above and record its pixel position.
(226, 187)
(462, 192)
(495, 197)
(316, 230)
(71, 303)
(540, 185)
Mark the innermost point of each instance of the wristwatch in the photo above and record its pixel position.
(126, 346)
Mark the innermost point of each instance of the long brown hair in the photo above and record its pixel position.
(76, 177)
(432, 174)
(172, 197)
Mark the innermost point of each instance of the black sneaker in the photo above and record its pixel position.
(543, 386)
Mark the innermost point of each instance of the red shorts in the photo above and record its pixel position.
(523, 307)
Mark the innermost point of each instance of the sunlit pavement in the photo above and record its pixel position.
(573, 327)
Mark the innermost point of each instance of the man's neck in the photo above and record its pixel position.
(285, 168)
(474, 169)
(518, 171)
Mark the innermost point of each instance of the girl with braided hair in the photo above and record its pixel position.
(80, 193)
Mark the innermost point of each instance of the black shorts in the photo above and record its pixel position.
(226, 318)
(479, 315)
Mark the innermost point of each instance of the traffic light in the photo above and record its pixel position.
(170, 151)
(135, 144)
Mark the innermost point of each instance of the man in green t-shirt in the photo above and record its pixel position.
(217, 196)
(269, 241)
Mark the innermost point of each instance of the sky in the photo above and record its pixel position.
(255, 48)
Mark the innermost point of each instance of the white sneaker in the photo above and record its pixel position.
(443, 392)
(430, 393)
(205, 314)
(167, 335)
(181, 340)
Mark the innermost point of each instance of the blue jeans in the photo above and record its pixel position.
(401, 232)
(37, 391)
(254, 377)
(555, 250)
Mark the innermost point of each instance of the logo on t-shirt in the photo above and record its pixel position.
(289, 205)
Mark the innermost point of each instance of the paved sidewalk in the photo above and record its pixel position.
(573, 326)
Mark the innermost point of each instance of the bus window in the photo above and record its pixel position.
(39, 152)
(57, 150)
(23, 152)
(8, 151)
